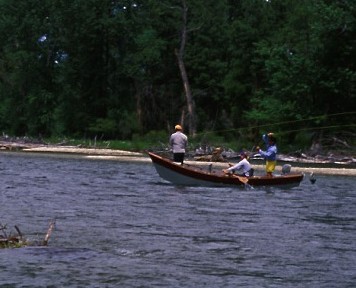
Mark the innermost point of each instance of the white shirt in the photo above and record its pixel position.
(178, 142)
(243, 165)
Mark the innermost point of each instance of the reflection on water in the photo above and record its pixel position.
(119, 225)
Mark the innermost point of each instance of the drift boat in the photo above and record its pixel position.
(192, 175)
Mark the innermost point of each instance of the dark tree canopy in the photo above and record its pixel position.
(110, 68)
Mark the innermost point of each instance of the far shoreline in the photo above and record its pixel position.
(128, 156)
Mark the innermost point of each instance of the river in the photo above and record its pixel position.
(119, 225)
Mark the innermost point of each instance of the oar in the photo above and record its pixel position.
(244, 180)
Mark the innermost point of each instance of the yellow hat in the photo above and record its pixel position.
(178, 127)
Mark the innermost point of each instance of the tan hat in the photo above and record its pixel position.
(178, 127)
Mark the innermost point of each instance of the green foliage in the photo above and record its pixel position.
(105, 126)
(153, 136)
(303, 139)
(270, 109)
(108, 69)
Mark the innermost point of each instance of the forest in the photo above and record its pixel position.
(234, 69)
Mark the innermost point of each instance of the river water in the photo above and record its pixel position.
(119, 225)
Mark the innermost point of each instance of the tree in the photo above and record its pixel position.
(117, 68)
(27, 86)
(180, 56)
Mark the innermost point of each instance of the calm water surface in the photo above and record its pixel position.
(119, 225)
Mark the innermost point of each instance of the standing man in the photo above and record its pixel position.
(270, 154)
(178, 142)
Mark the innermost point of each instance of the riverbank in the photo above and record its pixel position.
(299, 165)
(128, 156)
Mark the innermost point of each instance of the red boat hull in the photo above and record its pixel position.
(192, 175)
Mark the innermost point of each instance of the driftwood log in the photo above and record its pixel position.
(18, 240)
(7, 241)
(216, 156)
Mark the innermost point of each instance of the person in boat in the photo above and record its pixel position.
(178, 142)
(270, 154)
(243, 166)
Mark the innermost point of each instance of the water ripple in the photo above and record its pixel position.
(119, 225)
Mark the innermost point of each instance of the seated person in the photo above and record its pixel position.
(244, 166)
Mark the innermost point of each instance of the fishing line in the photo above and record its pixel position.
(318, 128)
(323, 117)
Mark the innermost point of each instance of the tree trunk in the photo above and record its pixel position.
(188, 93)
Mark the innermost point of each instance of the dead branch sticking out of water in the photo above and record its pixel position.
(49, 232)
(17, 241)
(9, 241)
